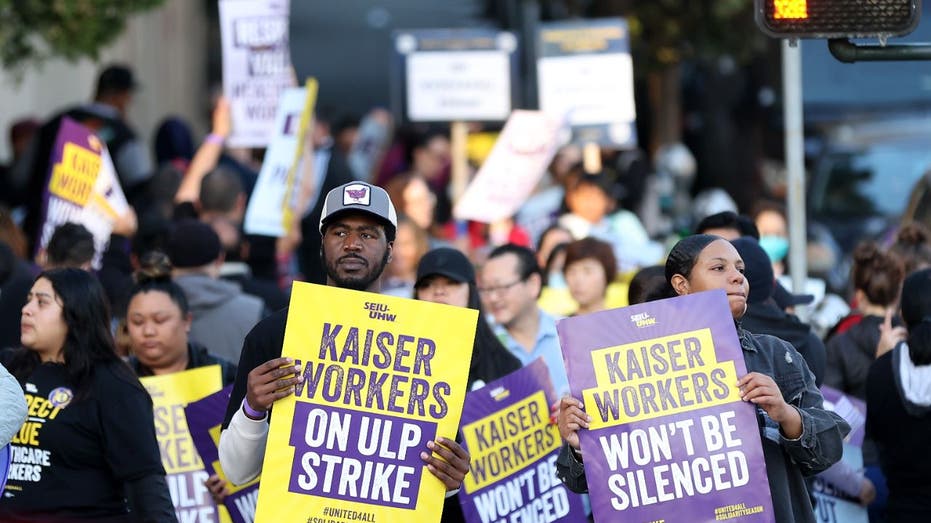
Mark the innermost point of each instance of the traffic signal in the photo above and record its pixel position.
(837, 18)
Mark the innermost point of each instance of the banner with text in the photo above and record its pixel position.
(382, 377)
(507, 431)
(451, 75)
(512, 171)
(183, 467)
(584, 71)
(82, 187)
(275, 198)
(204, 419)
(834, 505)
(669, 438)
(256, 66)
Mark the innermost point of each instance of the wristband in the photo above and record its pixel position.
(214, 139)
(252, 413)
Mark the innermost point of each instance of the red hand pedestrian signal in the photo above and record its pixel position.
(837, 18)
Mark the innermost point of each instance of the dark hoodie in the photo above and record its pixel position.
(223, 314)
(898, 420)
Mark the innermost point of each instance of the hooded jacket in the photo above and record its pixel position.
(898, 420)
(223, 314)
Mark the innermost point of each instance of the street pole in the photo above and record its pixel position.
(795, 161)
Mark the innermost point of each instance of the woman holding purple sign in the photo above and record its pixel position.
(800, 438)
(88, 450)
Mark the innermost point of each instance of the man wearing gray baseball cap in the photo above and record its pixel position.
(357, 227)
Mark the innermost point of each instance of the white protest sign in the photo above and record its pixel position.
(517, 161)
(274, 196)
(256, 65)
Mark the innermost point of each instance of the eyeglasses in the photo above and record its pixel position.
(488, 291)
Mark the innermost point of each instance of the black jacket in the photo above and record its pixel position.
(849, 356)
(197, 357)
(898, 420)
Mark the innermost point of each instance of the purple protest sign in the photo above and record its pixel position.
(81, 187)
(204, 418)
(394, 441)
(853, 411)
(6, 457)
(507, 431)
(669, 439)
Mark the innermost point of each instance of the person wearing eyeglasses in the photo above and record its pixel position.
(511, 282)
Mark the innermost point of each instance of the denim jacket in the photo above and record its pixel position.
(787, 460)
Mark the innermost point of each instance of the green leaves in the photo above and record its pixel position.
(32, 31)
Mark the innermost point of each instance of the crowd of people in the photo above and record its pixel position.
(181, 285)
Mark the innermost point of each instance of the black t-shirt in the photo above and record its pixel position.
(72, 457)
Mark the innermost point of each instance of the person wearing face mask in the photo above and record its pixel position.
(770, 220)
(799, 436)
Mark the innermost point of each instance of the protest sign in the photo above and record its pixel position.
(82, 187)
(507, 431)
(518, 160)
(372, 138)
(669, 438)
(6, 458)
(256, 65)
(204, 420)
(183, 467)
(584, 71)
(274, 199)
(382, 377)
(833, 505)
(454, 74)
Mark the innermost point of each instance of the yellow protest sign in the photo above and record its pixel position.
(382, 377)
(183, 467)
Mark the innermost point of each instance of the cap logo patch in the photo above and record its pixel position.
(356, 194)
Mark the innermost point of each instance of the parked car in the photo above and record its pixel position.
(861, 181)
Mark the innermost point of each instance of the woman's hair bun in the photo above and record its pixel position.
(154, 266)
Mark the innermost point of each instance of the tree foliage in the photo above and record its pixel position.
(35, 30)
(667, 32)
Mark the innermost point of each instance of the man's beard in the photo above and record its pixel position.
(356, 283)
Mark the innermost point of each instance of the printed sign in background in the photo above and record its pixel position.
(256, 66)
(204, 420)
(274, 199)
(834, 506)
(382, 377)
(513, 445)
(669, 437)
(585, 73)
(446, 75)
(82, 187)
(183, 467)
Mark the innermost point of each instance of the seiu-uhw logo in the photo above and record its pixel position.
(379, 311)
(643, 319)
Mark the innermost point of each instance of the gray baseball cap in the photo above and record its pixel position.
(359, 197)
